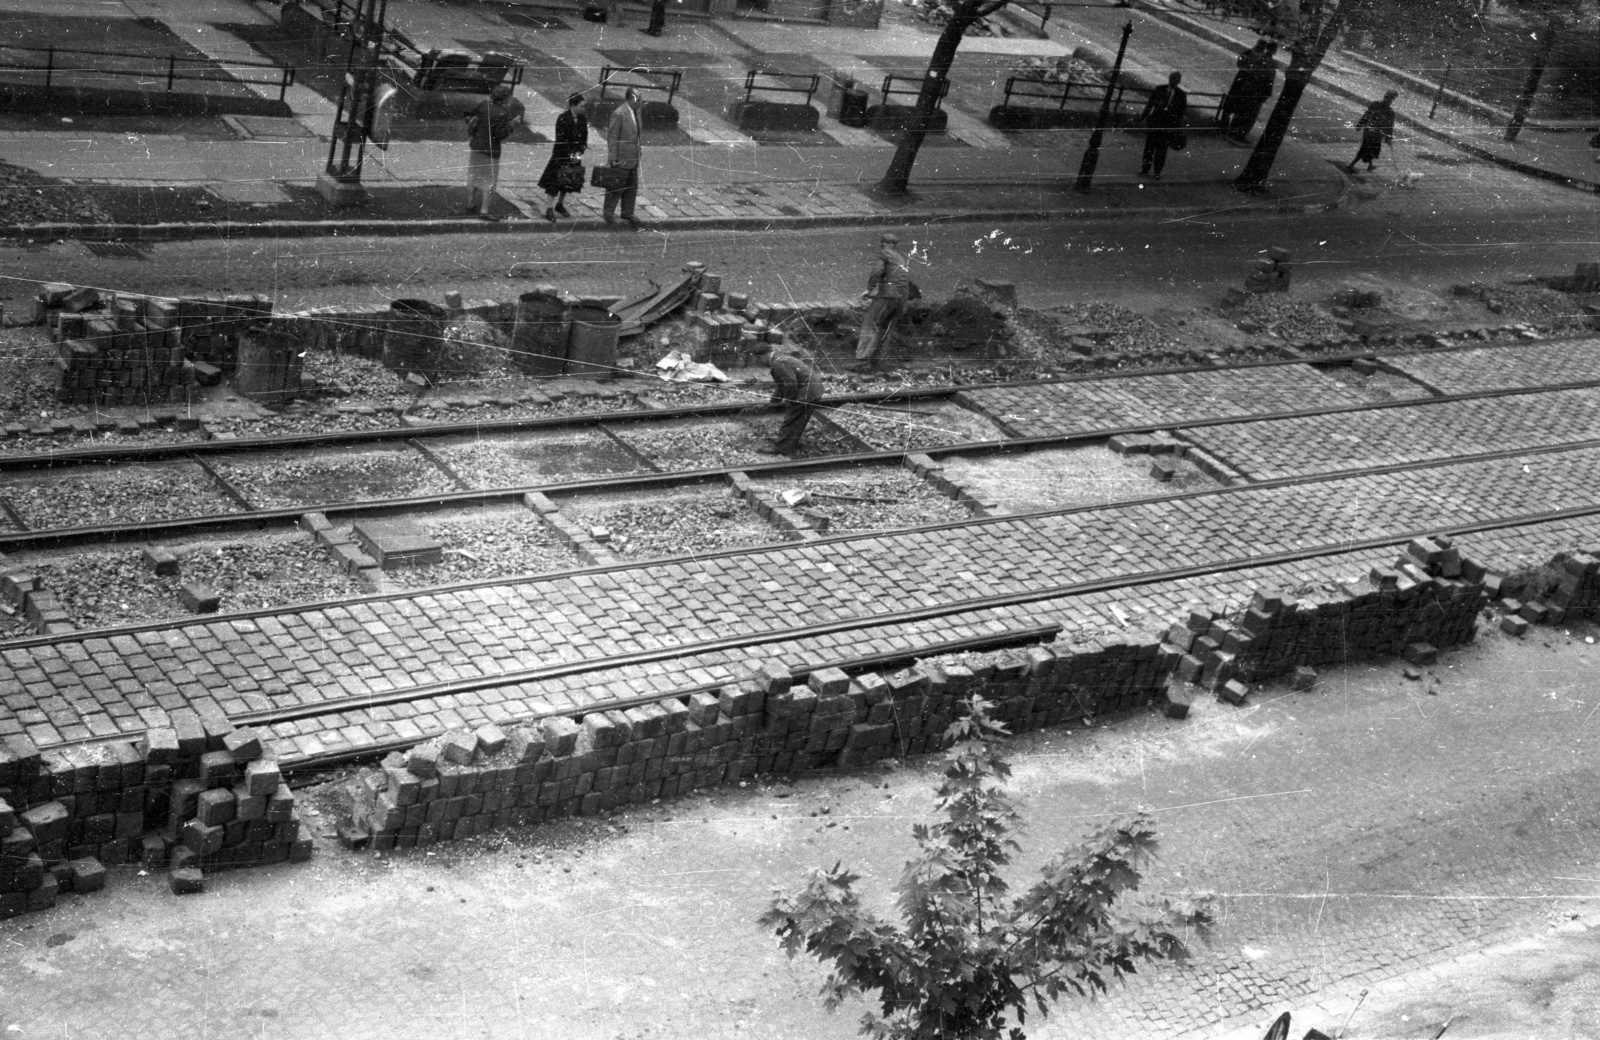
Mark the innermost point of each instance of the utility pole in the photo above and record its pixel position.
(1091, 155)
(340, 180)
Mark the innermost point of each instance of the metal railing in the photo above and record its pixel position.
(148, 69)
(914, 90)
(1061, 91)
(754, 83)
(655, 81)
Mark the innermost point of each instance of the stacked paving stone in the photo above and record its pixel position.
(464, 783)
(23, 591)
(199, 795)
(120, 350)
(1430, 598)
(1576, 593)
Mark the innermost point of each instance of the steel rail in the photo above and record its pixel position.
(854, 536)
(1064, 590)
(312, 441)
(61, 537)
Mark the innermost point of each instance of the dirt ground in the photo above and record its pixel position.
(1344, 831)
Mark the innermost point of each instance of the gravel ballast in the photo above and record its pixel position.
(124, 494)
(675, 523)
(487, 543)
(516, 460)
(101, 589)
(283, 480)
(907, 428)
(871, 499)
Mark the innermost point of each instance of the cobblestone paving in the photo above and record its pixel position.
(1062, 408)
(1489, 368)
(80, 686)
(1326, 443)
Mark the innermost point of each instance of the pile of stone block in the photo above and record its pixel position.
(197, 796)
(1271, 274)
(117, 349)
(22, 590)
(1429, 599)
(1575, 593)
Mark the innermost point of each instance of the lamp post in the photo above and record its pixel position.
(340, 181)
(1091, 155)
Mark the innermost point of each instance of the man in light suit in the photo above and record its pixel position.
(623, 151)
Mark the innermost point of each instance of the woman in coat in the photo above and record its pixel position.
(572, 138)
(1377, 128)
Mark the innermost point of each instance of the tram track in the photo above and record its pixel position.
(252, 517)
(860, 622)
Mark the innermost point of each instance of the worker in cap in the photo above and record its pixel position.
(888, 286)
(797, 385)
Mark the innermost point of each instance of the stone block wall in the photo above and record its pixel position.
(195, 797)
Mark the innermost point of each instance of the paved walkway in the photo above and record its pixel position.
(707, 172)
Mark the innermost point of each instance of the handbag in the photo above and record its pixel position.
(913, 291)
(610, 178)
(569, 175)
(1176, 140)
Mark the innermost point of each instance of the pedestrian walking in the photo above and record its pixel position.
(623, 152)
(888, 286)
(797, 385)
(563, 174)
(488, 125)
(1251, 88)
(1163, 112)
(658, 17)
(1377, 127)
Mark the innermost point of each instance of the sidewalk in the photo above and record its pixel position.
(1558, 154)
(706, 173)
(711, 175)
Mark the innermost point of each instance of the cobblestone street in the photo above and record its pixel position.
(1353, 834)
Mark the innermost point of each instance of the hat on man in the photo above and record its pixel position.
(889, 238)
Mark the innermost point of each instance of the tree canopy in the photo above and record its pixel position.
(967, 962)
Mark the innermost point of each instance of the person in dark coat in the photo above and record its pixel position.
(488, 125)
(797, 385)
(658, 17)
(1162, 114)
(1377, 126)
(1251, 88)
(572, 139)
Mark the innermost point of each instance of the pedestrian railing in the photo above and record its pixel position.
(56, 63)
(646, 81)
(895, 83)
(781, 83)
(1058, 93)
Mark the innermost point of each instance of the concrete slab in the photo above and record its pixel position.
(397, 543)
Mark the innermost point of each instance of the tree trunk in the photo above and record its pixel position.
(1530, 89)
(898, 177)
(1295, 80)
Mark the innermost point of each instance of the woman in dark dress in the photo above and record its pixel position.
(572, 138)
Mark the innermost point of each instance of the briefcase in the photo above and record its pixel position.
(610, 178)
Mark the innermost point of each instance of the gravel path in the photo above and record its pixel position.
(673, 524)
(894, 500)
(278, 481)
(127, 494)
